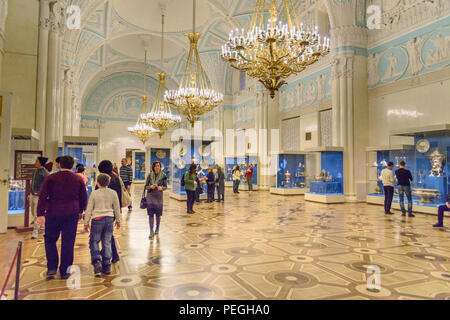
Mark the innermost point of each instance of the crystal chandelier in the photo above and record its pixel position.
(160, 116)
(195, 96)
(142, 130)
(273, 52)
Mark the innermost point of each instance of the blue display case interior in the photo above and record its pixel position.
(293, 165)
(16, 201)
(192, 154)
(230, 163)
(332, 162)
(139, 166)
(166, 161)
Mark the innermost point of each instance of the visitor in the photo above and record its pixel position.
(115, 169)
(404, 179)
(190, 185)
(249, 176)
(103, 208)
(211, 186)
(37, 180)
(236, 179)
(387, 178)
(62, 200)
(80, 171)
(220, 183)
(199, 188)
(58, 167)
(155, 185)
(49, 166)
(441, 210)
(126, 174)
(106, 167)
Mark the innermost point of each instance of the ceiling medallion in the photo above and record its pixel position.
(160, 116)
(273, 52)
(194, 96)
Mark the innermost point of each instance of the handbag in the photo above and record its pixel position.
(126, 197)
(143, 204)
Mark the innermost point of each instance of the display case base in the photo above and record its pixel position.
(417, 207)
(228, 184)
(15, 220)
(242, 187)
(325, 198)
(289, 191)
(183, 197)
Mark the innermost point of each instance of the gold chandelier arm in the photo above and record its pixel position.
(261, 19)
(162, 41)
(288, 15)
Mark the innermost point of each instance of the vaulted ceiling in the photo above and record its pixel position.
(117, 32)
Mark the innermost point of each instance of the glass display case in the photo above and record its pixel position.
(139, 169)
(327, 183)
(163, 156)
(183, 154)
(291, 174)
(243, 162)
(85, 151)
(428, 162)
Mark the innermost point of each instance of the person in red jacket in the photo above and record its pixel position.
(249, 176)
(62, 200)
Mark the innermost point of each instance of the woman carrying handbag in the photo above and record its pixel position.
(155, 185)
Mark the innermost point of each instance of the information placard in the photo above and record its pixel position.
(24, 164)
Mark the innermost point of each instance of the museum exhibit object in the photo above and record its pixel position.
(291, 174)
(327, 184)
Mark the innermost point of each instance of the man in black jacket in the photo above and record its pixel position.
(404, 179)
(441, 210)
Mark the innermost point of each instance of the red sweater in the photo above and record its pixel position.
(62, 194)
(249, 172)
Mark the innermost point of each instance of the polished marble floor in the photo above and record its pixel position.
(255, 246)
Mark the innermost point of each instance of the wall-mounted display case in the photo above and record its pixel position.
(292, 178)
(427, 160)
(327, 184)
(184, 153)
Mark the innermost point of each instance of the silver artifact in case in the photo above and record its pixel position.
(436, 159)
(423, 145)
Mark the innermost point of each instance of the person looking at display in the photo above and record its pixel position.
(80, 171)
(126, 174)
(236, 179)
(190, 185)
(37, 180)
(388, 180)
(249, 176)
(441, 210)
(404, 178)
(220, 184)
(155, 184)
(211, 184)
(58, 167)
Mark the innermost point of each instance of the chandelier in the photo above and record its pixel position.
(194, 96)
(141, 129)
(160, 116)
(273, 52)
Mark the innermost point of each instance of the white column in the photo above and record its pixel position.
(76, 115)
(3, 16)
(51, 138)
(41, 91)
(67, 112)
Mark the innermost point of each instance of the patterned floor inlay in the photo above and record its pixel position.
(255, 246)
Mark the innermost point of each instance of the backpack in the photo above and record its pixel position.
(182, 180)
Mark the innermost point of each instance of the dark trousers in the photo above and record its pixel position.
(388, 196)
(236, 186)
(402, 191)
(198, 192)
(66, 226)
(211, 188)
(220, 195)
(190, 200)
(441, 211)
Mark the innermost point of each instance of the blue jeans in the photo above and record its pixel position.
(236, 185)
(402, 190)
(101, 230)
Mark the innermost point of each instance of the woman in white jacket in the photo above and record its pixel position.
(236, 179)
